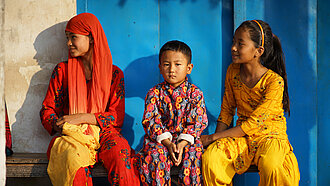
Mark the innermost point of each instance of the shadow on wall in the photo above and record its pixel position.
(50, 45)
(140, 76)
(28, 133)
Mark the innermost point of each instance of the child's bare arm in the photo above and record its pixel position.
(76, 119)
(221, 127)
(232, 132)
(207, 139)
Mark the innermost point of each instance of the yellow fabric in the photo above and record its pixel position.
(261, 117)
(274, 157)
(71, 151)
(277, 163)
(218, 160)
(259, 108)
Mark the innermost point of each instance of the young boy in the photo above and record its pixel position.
(173, 119)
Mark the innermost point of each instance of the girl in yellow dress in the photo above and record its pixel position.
(256, 85)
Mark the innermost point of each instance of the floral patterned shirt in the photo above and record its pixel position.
(175, 113)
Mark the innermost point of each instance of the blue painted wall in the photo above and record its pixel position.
(323, 92)
(294, 22)
(136, 29)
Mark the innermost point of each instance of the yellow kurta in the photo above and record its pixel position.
(261, 117)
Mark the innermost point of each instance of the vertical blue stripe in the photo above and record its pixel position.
(239, 12)
(323, 92)
(294, 22)
(198, 23)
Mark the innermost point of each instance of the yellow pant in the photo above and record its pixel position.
(274, 157)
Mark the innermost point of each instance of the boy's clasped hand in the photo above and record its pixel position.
(175, 150)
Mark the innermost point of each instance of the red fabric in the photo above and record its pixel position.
(51, 143)
(112, 143)
(119, 159)
(8, 133)
(68, 93)
(95, 100)
(83, 177)
(55, 104)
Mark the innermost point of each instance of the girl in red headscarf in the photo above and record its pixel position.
(85, 104)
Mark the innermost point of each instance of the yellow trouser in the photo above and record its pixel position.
(274, 157)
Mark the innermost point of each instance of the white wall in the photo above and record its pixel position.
(34, 43)
(2, 121)
(2, 105)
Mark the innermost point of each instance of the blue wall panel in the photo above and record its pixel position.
(198, 23)
(297, 30)
(323, 92)
(136, 30)
(132, 30)
(294, 22)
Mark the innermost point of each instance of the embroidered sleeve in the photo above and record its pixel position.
(271, 103)
(54, 102)
(196, 117)
(115, 113)
(151, 121)
(228, 106)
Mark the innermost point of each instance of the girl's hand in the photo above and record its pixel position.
(76, 119)
(57, 128)
(207, 139)
(180, 147)
(232, 132)
(172, 149)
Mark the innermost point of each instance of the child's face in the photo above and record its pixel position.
(79, 45)
(174, 67)
(243, 49)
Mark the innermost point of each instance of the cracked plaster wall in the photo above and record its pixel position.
(34, 43)
(2, 105)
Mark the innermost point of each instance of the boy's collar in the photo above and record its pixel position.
(183, 84)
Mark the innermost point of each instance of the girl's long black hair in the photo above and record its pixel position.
(273, 56)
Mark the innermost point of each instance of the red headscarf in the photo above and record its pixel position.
(80, 99)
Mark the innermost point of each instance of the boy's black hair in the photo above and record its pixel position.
(273, 56)
(177, 46)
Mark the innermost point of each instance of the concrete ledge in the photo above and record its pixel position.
(35, 165)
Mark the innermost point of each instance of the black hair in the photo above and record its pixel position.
(273, 56)
(177, 46)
